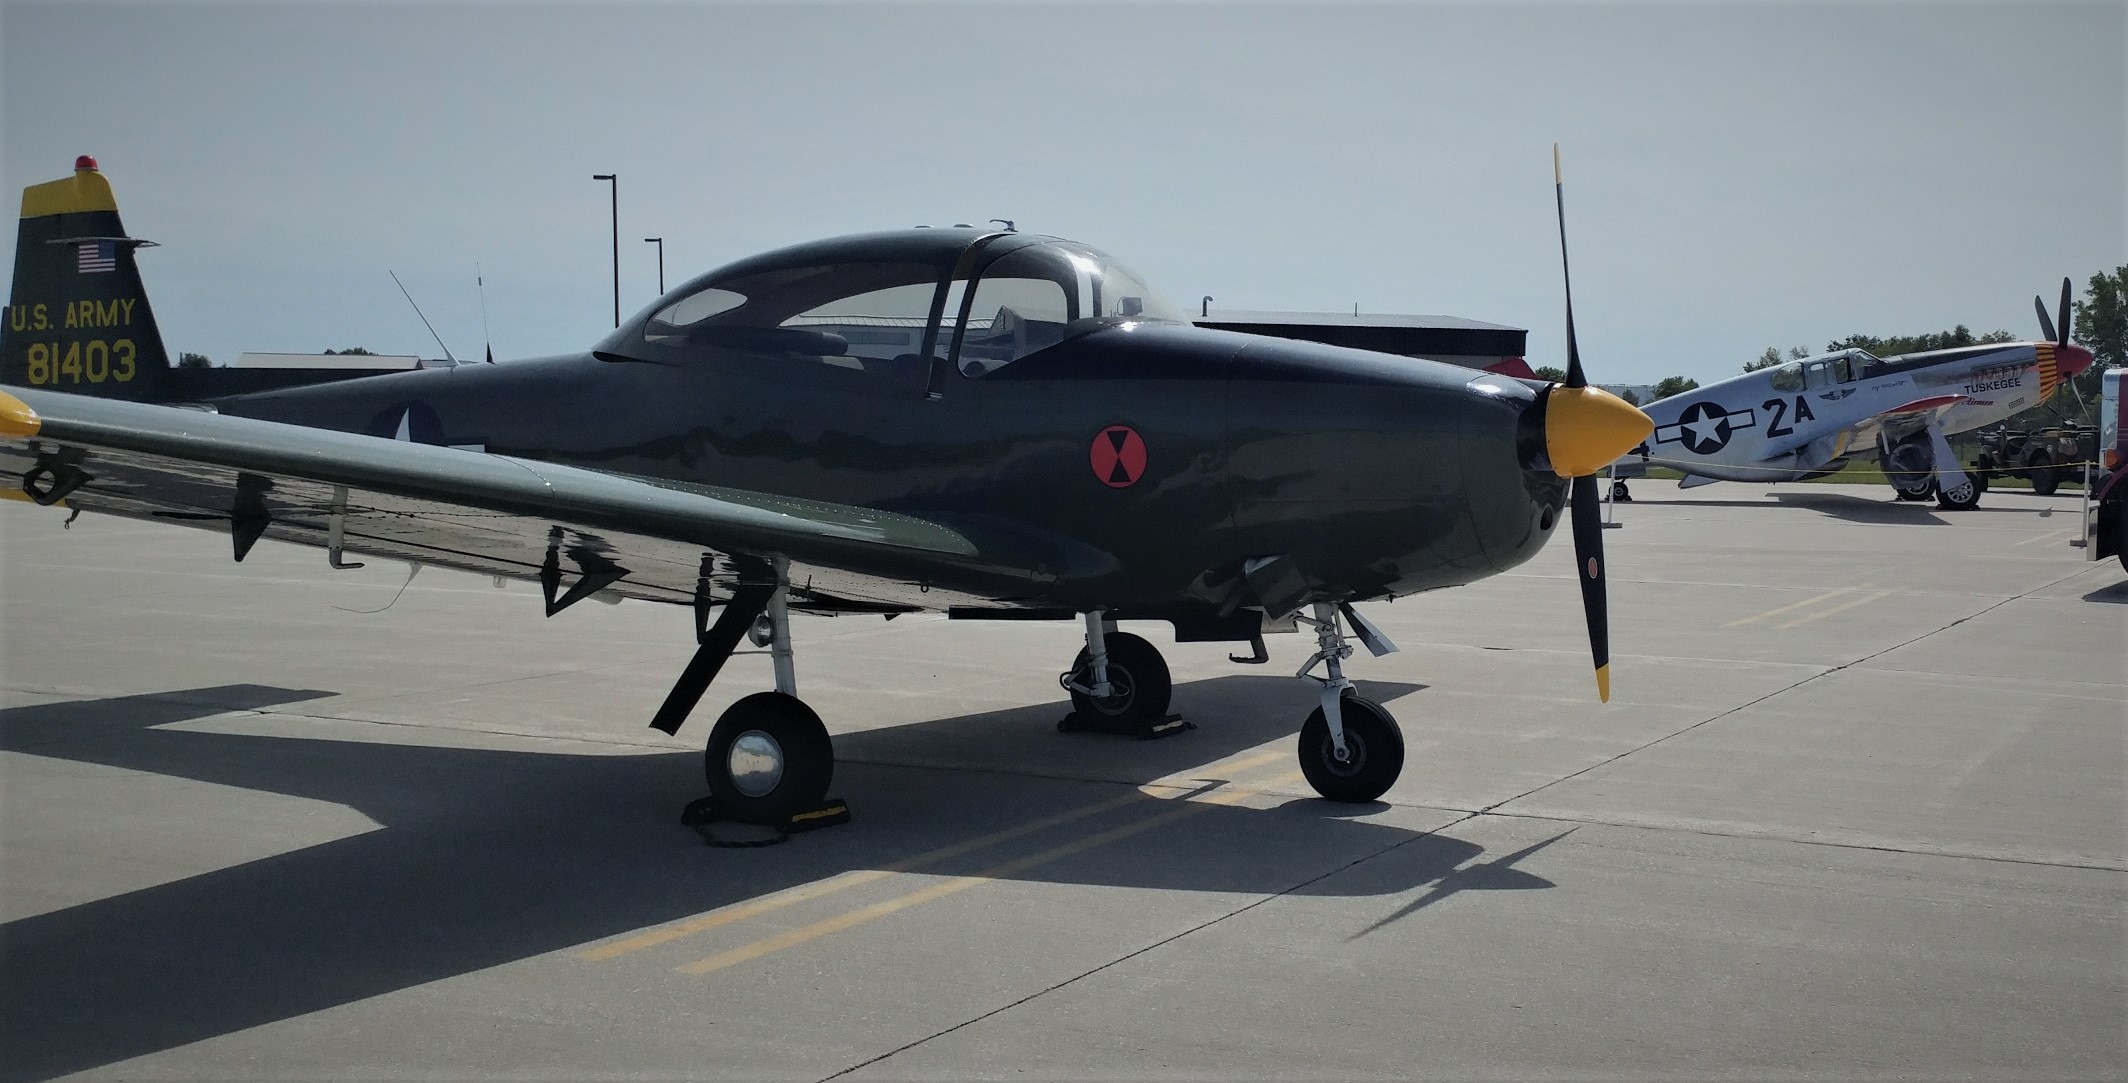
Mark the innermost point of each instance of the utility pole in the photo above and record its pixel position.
(660, 242)
(613, 182)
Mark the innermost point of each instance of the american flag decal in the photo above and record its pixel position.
(95, 257)
(2048, 377)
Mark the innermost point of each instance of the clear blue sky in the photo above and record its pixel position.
(1739, 175)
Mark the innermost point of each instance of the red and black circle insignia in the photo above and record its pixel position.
(1118, 456)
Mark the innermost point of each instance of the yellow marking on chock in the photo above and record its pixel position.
(958, 884)
(1842, 608)
(1792, 606)
(16, 417)
(806, 893)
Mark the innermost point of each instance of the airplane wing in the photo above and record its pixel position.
(1918, 409)
(492, 514)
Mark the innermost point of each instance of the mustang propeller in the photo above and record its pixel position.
(1586, 429)
(2047, 326)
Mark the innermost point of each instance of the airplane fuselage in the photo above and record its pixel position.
(1799, 419)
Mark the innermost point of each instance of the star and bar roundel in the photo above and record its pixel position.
(1118, 456)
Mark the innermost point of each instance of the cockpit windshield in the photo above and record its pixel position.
(881, 314)
(1038, 296)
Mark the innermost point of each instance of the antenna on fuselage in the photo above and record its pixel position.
(424, 317)
(487, 337)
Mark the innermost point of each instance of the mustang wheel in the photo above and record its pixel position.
(768, 759)
(1374, 752)
(1139, 686)
(1910, 468)
(1965, 497)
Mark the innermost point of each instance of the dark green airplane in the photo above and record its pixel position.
(993, 424)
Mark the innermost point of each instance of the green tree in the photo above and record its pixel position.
(2102, 318)
(1555, 375)
(1897, 345)
(194, 361)
(1678, 385)
(351, 351)
(1797, 353)
(1766, 360)
(1628, 395)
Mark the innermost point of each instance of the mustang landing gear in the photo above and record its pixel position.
(1118, 684)
(1350, 748)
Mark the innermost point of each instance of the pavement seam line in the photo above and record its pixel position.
(1781, 691)
(1160, 943)
(1829, 843)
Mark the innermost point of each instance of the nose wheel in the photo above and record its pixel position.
(1350, 749)
(1373, 755)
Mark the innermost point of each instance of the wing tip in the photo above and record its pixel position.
(16, 417)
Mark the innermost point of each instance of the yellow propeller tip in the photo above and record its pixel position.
(1603, 683)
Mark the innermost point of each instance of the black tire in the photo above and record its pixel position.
(795, 739)
(1620, 494)
(1138, 676)
(1372, 738)
(2046, 477)
(1911, 469)
(1966, 497)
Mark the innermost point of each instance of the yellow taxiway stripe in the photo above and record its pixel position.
(958, 884)
(1792, 606)
(1824, 613)
(717, 918)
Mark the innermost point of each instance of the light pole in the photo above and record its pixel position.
(613, 182)
(660, 242)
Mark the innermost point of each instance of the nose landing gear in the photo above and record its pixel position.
(1350, 749)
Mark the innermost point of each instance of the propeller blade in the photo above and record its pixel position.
(1588, 566)
(1574, 375)
(2046, 322)
(2061, 322)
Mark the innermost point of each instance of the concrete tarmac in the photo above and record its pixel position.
(1858, 809)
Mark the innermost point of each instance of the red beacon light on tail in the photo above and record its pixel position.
(86, 161)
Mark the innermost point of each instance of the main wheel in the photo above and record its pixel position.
(1138, 682)
(2046, 477)
(1965, 497)
(1620, 494)
(1910, 468)
(768, 759)
(1374, 750)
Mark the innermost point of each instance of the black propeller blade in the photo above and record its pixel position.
(1587, 514)
(2054, 330)
(1574, 376)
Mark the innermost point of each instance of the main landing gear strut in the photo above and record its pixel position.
(1118, 684)
(769, 759)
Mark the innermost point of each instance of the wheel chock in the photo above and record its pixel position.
(723, 832)
(1166, 727)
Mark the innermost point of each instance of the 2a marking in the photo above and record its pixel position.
(1780, 410)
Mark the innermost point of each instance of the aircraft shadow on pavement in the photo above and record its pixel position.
(1854, 509)
(487, 856)
(2116, 593)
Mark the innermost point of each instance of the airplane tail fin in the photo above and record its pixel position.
(78, 319)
